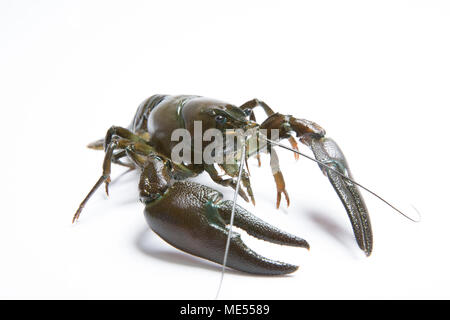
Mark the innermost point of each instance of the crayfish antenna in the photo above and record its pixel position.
(236, 192)
(328, 167)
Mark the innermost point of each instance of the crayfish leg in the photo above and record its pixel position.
(278, 177)
(118, 143)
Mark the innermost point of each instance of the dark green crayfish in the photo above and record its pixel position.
(193, 217)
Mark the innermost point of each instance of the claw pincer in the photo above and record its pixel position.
(328, 152)
(193, 218)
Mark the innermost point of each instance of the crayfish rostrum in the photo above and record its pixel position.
(195, 218)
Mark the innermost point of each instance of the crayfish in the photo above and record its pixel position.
(195, 218)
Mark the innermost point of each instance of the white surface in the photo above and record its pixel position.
(374, 74)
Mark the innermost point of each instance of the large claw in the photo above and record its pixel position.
(327, 151)
(193, 218)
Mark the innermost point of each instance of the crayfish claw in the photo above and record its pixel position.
(257, 227)
(193, 218)
(328, 152)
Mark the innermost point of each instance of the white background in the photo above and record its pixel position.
(375, 74)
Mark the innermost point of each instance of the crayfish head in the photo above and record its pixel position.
(218, 128)
(215, 114)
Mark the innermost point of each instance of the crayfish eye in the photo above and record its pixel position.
(247, 112)
(221, 119)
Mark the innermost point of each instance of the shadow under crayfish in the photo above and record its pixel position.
(339, 233)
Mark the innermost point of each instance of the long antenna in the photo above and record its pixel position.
(227, 246)
(346, 177)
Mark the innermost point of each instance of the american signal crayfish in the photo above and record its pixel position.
(195, 218)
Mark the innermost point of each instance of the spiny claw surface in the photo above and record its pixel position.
(193, 218)
(327, 151)
(258, 228)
